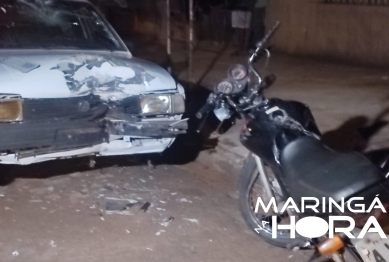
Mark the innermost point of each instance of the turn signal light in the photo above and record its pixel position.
(11, 110)
(331, 245)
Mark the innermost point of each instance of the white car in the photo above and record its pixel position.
(70, 87)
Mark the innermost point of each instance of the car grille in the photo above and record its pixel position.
(55, 123)
(58, 108)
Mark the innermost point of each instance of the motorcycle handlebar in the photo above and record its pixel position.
(209, 106)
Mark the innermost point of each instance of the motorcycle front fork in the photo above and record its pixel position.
(264, 178)
(269, 191)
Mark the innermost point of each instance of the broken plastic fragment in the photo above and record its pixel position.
(185, 200)
(52, 243)
(192, 220)
(116, 204)
(159, 232)
(167, 222)
(145, 207)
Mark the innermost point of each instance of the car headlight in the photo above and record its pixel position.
(160, 104)
(11, 110)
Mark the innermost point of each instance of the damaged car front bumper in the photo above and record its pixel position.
(69, 127)
(100, 112)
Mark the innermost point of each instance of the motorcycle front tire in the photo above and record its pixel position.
(245, 184)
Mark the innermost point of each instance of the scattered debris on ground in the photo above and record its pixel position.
(185, 200)
(116, 204)
(192, 220)
(167, 222)
(145, 206)
(159, 232)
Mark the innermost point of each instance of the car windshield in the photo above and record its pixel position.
(26, 24)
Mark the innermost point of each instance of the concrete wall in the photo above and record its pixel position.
(147, 19)
(351, 33)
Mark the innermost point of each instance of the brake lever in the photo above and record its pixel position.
(230, 102)
(198, 130)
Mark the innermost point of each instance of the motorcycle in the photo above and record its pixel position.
(288, 160)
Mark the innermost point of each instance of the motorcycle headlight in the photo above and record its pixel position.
(160, 104)
(11, 110)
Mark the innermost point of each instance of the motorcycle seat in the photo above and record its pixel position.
(313, 170)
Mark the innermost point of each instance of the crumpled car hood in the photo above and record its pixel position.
(61, 74)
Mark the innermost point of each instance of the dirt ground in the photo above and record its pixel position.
(65, 211)
(64, 215)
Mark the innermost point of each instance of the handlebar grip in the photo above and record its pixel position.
(204, 110)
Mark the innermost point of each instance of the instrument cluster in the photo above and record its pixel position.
(235, 82)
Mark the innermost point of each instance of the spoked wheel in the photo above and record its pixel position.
(251, 187)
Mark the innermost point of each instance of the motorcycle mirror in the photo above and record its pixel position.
(264, 40)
